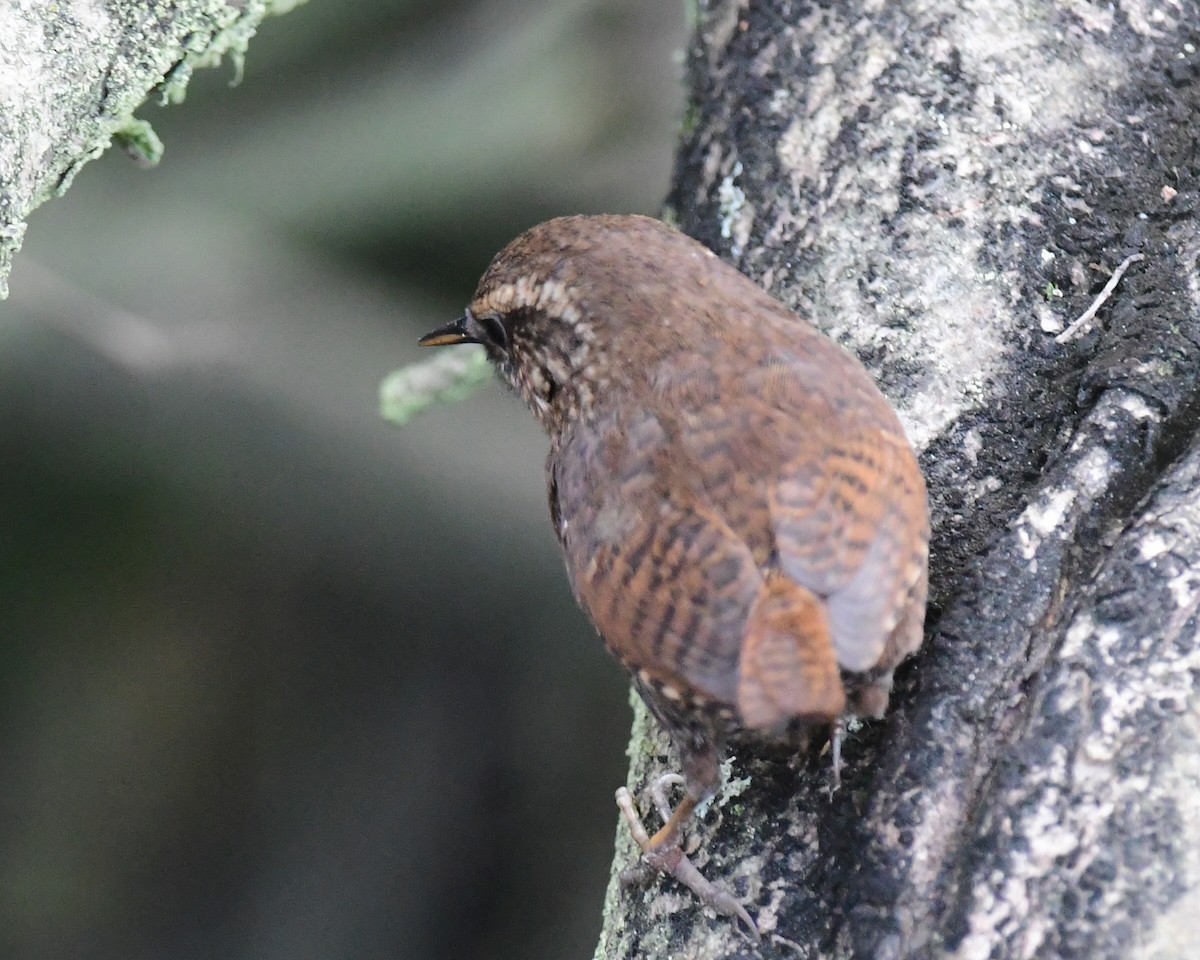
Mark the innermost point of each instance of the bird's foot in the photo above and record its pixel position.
(664, 853)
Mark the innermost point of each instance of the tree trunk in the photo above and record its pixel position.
(944, 187)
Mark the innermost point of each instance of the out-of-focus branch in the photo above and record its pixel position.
(72, 75)
(447, 376)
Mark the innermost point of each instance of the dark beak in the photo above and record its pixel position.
(453, 332)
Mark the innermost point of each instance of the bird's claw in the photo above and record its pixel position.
(670, 859)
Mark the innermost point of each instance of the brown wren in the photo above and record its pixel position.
(742, 516)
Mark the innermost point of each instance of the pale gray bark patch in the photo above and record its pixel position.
(73, 73)
(944, 187)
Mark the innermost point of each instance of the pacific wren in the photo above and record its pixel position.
(742, 517)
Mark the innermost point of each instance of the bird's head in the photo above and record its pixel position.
(576, 306)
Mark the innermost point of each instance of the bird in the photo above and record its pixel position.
(742, 517)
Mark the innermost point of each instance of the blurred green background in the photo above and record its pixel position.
(281, 681)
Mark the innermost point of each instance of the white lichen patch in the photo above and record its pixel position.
(978, 489)
(1077, 634)
(1136, 406)
(972, 445)
(736, 216)
(1048, 320)
(767, 916)
(731, 786)
(1153, 545)
(1042, 518)
(1185, 588)
(1093, 473)
(1048, 514)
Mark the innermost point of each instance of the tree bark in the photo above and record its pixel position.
(72, 75)
(944, 187)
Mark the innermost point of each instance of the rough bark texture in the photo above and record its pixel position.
(943, 186)
(72, 74)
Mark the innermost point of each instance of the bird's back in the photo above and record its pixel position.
(741, 535)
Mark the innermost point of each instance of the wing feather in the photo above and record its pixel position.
(746, 539)
(664, 580)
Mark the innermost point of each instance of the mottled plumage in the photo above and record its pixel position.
(742, 517)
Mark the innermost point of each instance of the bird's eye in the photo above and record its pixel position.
(493, 328)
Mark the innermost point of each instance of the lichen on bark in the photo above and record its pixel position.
(73, 74)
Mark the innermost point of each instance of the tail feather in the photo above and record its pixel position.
(788, 665)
